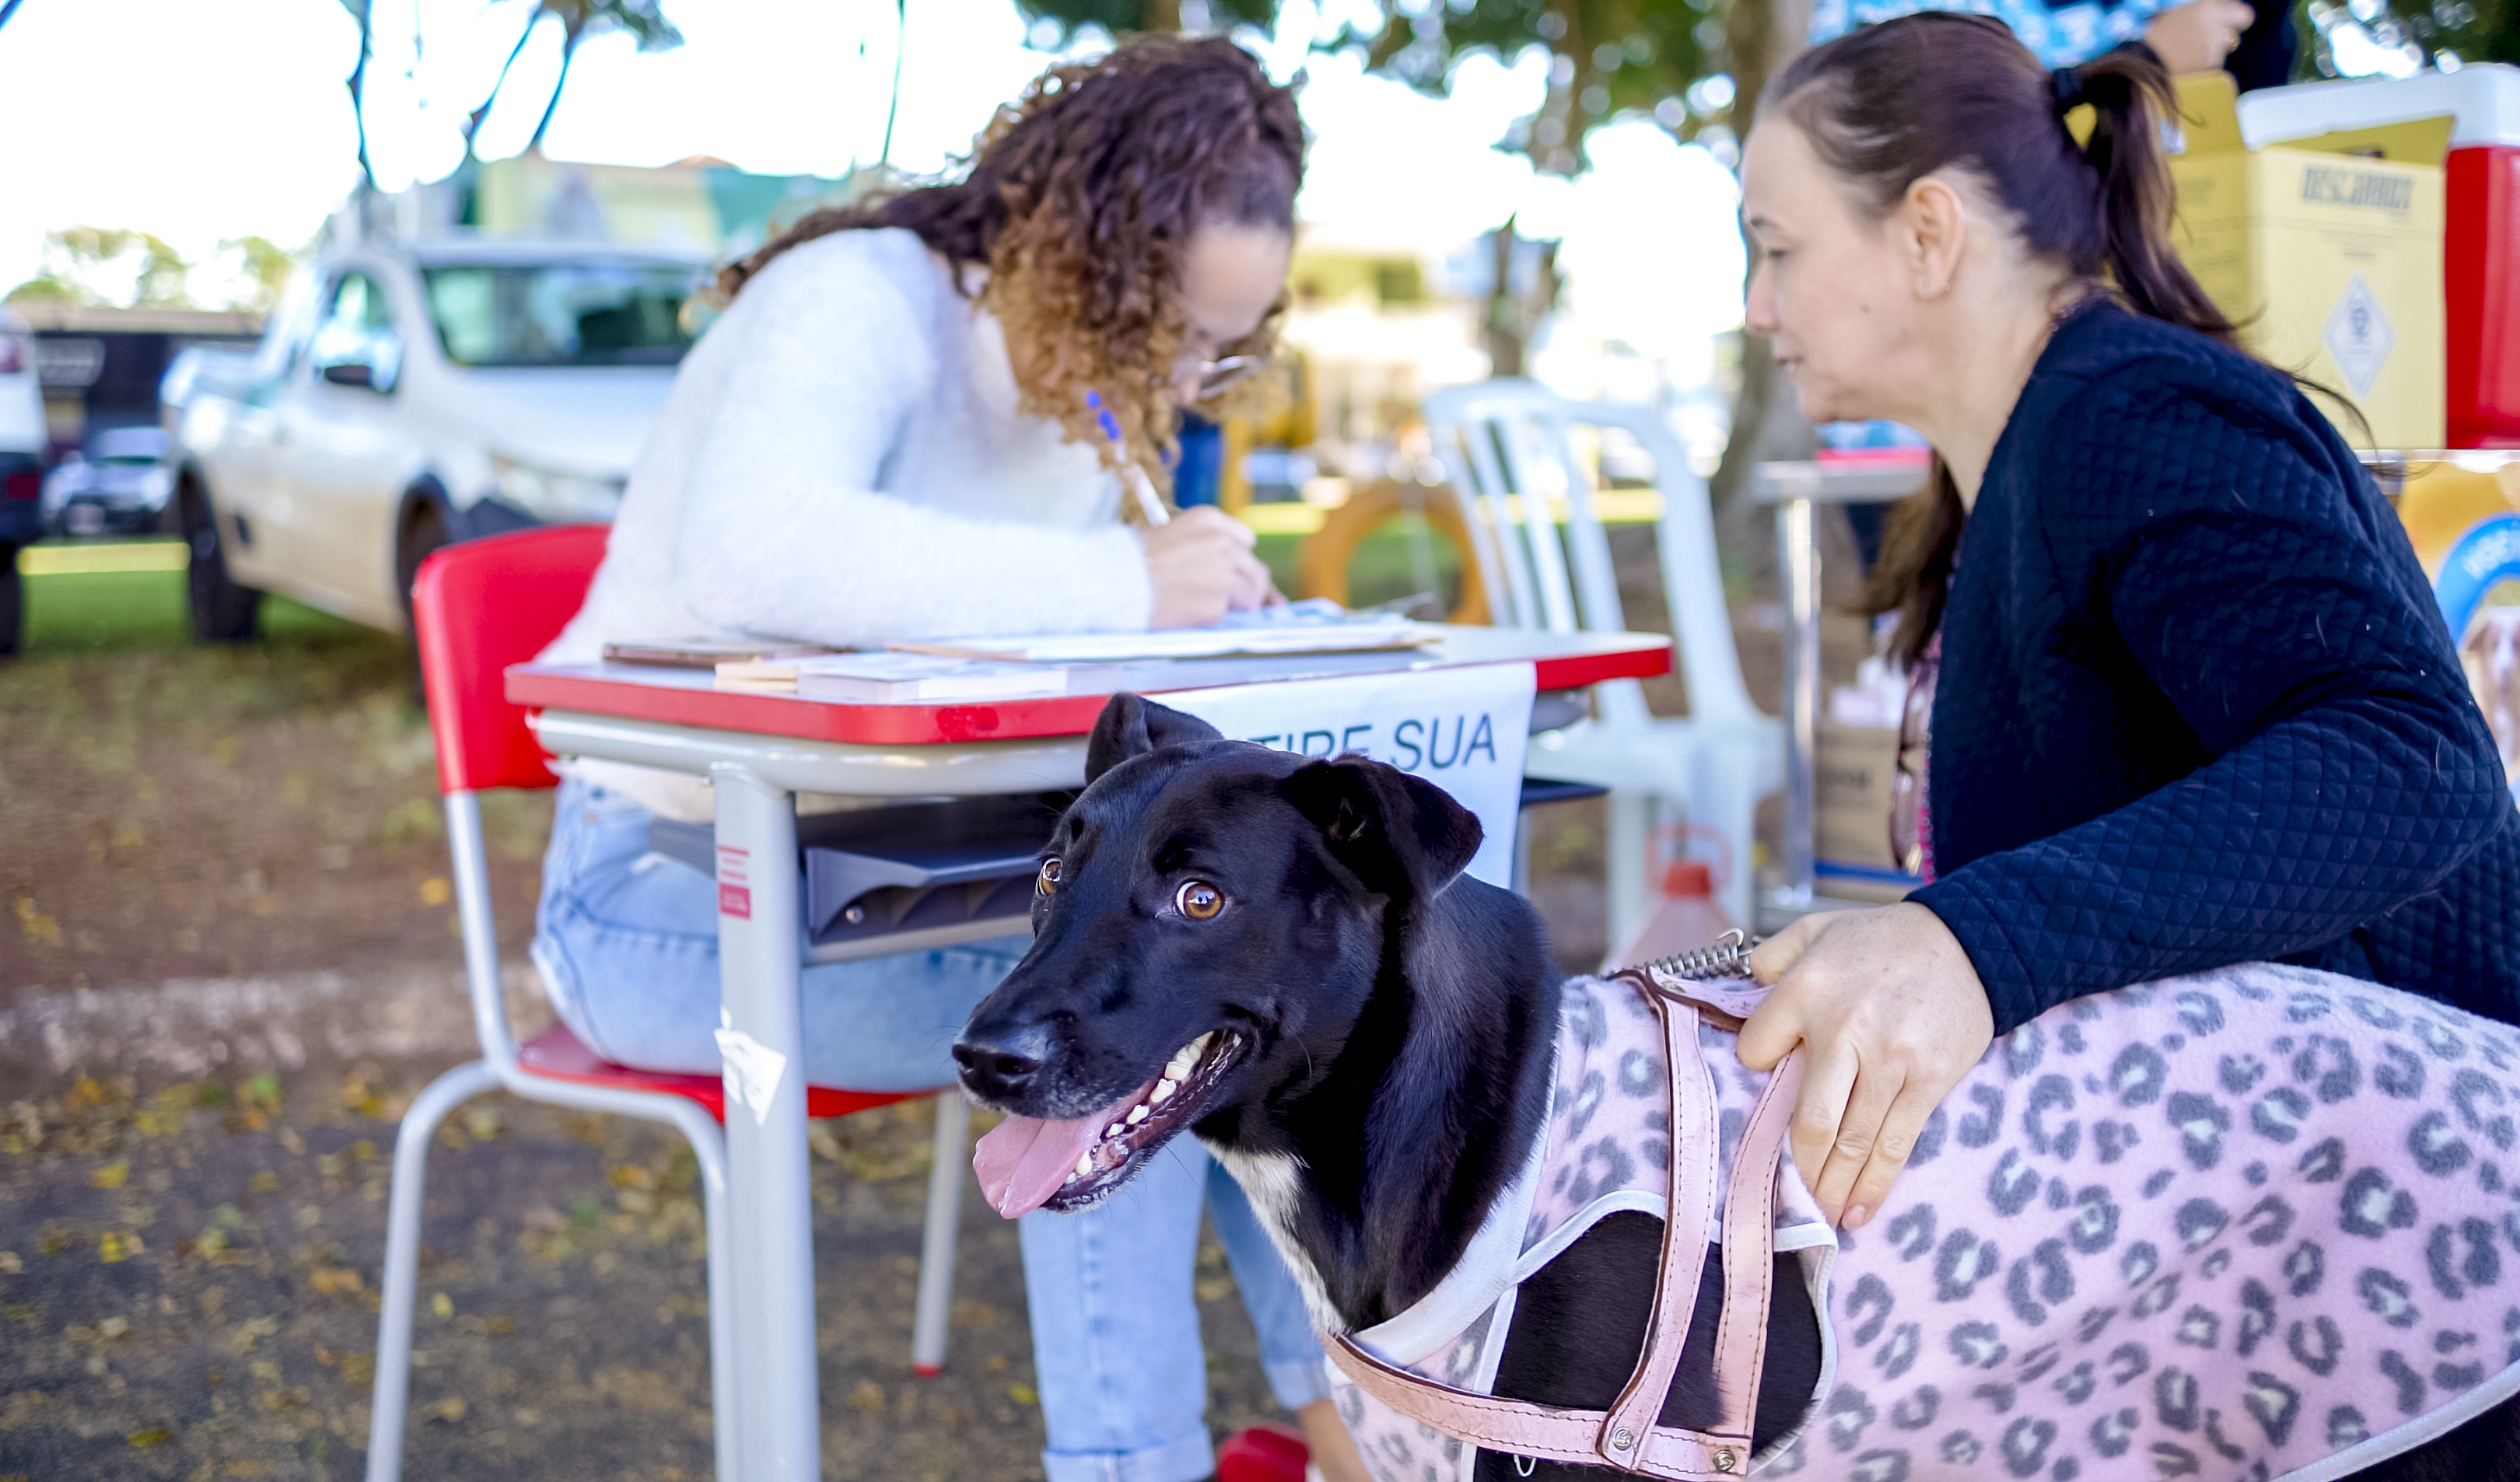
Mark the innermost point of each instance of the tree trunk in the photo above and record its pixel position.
(359, 101)
(900, 45)
(1514, 314)
(472, 121)
(1760, 36)
(567, 54)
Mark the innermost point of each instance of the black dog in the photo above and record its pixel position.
(1279, 954)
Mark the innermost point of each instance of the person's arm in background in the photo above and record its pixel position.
(2197, 36)
(2351, 769)
(2193, 36)
(2265, 56)
(784, 534)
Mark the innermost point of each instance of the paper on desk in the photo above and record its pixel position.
(894, 677)
(1307, 627)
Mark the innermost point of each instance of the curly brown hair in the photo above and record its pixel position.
(1080, 199)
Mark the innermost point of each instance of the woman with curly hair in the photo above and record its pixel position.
(889, 434)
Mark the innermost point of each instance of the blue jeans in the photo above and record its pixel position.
(626, 941)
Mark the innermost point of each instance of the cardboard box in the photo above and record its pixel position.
(2327, 251)
(1852, 768)
(2481, 258)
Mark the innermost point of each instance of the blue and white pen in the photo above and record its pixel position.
(1150, 503)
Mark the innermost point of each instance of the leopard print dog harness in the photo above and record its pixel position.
(2251, 1224)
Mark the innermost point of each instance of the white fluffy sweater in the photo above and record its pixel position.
(841, 460)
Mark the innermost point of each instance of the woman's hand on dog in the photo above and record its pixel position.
(1891, 1015)
(1202, 567)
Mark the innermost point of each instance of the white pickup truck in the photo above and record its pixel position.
(406, 396)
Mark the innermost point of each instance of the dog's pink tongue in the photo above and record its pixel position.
(1024, 1160)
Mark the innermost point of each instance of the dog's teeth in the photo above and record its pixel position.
(1183, 1060)
(1137, 1114)
(1112, 1131)
(1085, 1165)
(1163, 1091)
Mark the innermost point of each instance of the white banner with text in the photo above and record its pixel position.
(1463, 729)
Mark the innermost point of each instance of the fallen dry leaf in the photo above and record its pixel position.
(39, 928)
(154, 1436)
(449, 1409)
(442, 1305)
(867, 1397)
(111, 1175)
(336, 1281)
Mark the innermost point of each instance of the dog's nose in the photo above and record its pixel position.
(1001, 1064)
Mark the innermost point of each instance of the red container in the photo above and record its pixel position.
(2480, 283)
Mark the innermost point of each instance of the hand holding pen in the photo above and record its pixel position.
(1200, 564)
(1150, 504)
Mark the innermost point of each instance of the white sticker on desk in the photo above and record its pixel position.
(753, 1070)
(1463, 729)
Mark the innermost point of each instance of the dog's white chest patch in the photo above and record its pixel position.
(1273, 1182)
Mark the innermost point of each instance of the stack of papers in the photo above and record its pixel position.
(703, 653)
(894, 678)
(1316, 626)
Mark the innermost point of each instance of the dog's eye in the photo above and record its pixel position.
(1198, 900)
(1046, 882)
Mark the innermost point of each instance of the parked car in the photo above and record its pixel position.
(118, 486)
(407, 396)
(185, 370)
(21, 468)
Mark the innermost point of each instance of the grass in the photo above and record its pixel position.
(120, 612)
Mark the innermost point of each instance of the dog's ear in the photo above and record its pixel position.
(1131, 726)
(1401, 834)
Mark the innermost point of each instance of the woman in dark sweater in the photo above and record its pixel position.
(2195, 705)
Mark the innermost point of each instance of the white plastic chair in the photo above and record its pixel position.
(1509, 448)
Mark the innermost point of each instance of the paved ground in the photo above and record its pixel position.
(228, 957)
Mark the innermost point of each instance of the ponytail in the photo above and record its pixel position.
(2132, 96)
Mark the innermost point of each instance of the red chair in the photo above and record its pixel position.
(478, 607)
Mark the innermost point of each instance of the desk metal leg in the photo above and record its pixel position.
(760, 946)
(1798, 563)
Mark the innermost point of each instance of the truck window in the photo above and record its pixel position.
(561, 313)
(357, 330)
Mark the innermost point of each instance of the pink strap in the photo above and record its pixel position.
(1592, 1437)
(1749, 1240)
(1724, 1003)
(1684, 1230)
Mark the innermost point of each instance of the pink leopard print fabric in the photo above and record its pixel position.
(2247, 1224)
(1606, 1149)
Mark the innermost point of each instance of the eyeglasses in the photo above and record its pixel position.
(1216, 376)
(1908, 800)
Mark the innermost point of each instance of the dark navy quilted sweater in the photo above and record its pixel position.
(2196, 704)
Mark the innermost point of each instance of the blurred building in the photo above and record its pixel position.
(99, 367)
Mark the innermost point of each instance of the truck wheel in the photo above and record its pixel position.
(13, 601)
(223, 613)
(424, 531)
